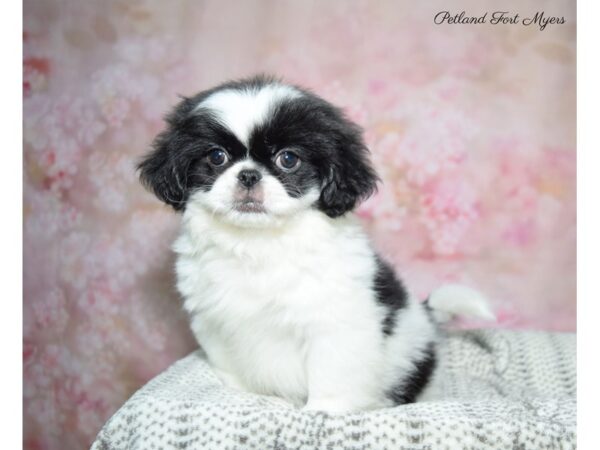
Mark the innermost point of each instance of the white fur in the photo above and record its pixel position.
(282, 300)
(289, 311)
(241, 111)
(278, 204)
(457, 300)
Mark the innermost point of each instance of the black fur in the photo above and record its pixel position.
(390, 293)
(333, 155)
(178, 165)
(412, 385)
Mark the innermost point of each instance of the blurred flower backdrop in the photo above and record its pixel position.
(472, 129)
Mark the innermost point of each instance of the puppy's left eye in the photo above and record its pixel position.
(217, 157)
(287, 161)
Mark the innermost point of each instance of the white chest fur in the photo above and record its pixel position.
(258, 298)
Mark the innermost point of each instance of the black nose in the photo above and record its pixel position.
(249, 177)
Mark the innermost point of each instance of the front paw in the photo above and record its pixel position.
(330, 406)
(228, 379)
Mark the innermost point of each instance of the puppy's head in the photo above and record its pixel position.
(255, 152)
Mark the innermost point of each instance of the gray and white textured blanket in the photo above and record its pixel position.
(494, 390)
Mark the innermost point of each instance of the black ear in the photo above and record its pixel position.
(165, 169)
(161, 173)
(351, 177)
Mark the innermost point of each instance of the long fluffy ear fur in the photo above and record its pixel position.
(160, 172)
(351, 177)
(164, 170)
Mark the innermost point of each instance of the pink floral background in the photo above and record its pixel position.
(472, 128)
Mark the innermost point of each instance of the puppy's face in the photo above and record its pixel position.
(256, 152)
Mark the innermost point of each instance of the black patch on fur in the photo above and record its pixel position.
(178, 164)
(390, 293)
(334, 158)
(412, 385)
(330, 146)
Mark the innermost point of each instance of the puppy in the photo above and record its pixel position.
(284, 291)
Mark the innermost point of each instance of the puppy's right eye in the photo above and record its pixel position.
(217, 157)
(287, 161)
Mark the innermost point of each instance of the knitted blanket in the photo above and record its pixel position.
(493, 390)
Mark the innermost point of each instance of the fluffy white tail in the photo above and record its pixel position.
(452, 300)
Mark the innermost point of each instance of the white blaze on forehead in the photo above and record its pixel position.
(241, 111)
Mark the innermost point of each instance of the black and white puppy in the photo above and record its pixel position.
(284, 291)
